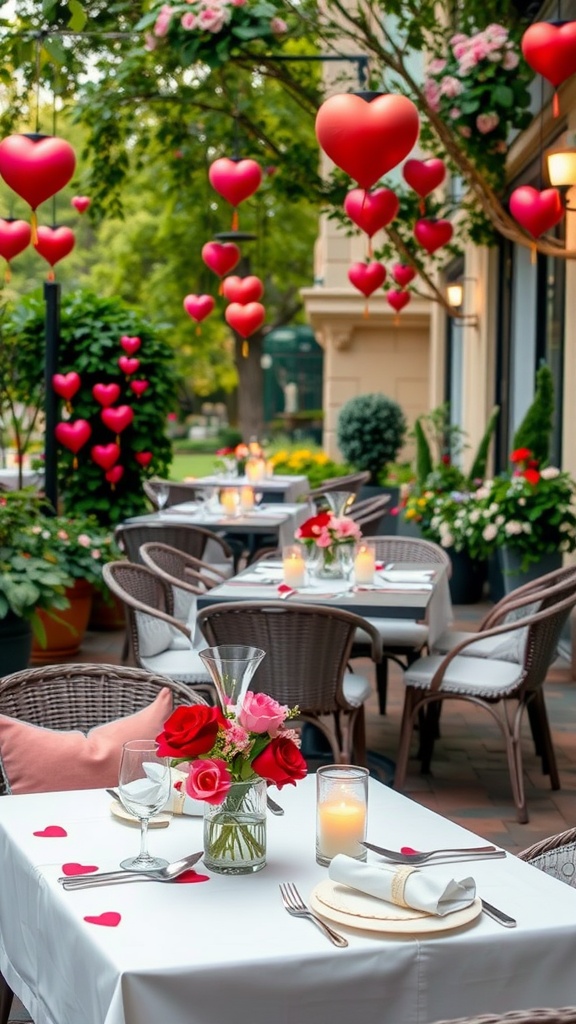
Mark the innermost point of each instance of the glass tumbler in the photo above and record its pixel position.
(341, 811)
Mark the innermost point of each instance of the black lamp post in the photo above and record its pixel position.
(52, 335)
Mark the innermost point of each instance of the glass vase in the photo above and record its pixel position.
(328, 565)
(235, 830)
(231, 667)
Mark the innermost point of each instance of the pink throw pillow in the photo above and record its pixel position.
(37, 760)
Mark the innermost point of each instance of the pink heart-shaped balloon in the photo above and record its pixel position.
(105, 455)
(536, 211)
(367, 277)
(199, 306)
(115, 474)
(80, 203)
(403, 274)
(117, 419)
(242, 289)
(433, 234)
(52, 832)
(397, 299)
(143, 458)
(235, 180)
(424, 175)
(139, 386)
(66, 384)
(371, 211)
(110, 919)
(245, 320)
(106, 394)
(14, 237)
(367, 139)
(221, 257)
(73, 868)
(551, 50)
(129, 344)
(36, 166)
(54, 244)
(128, 365)
(73, 435)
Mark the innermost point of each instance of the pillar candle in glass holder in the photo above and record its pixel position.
(293, 566)
(246, 498)
(341, 811)
(255, 470)
(364, 563)
(229, 499)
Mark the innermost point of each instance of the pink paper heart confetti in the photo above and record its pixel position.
(110, 919)
(73, 868)
(191, 876)
(52, 832)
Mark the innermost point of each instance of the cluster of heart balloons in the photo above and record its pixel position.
(74, 434)
(36, 167)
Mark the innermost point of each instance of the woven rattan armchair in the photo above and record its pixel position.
(555, 855)
(493, 683)
(368, 514)
(307, 652)
(193, 540)
(157, 640)
(181, 570)
(564, 1015)
(351, 482)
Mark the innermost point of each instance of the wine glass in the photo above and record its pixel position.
(143, 787)
(346, 559)
(162, 494)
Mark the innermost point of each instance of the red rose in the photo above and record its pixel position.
(280, 762)
(209, 780)
(312, 527)
(190, 731)
(531, 475)
(520, 455)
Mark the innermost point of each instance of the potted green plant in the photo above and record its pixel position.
(370, 432)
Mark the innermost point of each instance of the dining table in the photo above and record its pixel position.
(225, 947)
(274, 488)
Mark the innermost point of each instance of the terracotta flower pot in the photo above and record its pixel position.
(107, 612)
(65, 633)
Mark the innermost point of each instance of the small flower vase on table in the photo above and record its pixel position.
(328, 565)
(235, 830)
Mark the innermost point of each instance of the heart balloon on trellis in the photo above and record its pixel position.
(118, 418)
(367, 139)
(242, 289)
(80, 203)
(403, 274)
(105, 455)
(371, 211)
(130, 344)
(66, 384)
(537, 212)
(128, 365)
(36, 167)
(106, 394)
(235, 180)
(114, 475)
(245, 320)
(14, 238)
(433, 234)
(367, 277)
(73, 435)
(53, 244)
(221, 257)
(139, 386)
(550, 50)
(199, 307)
(424, 175)
(143, 458)
(397, 299)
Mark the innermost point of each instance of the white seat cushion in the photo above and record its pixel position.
(472, 676)
(396, 633)
(356, 689)
(184, 666)
(507, 646)
(156, 635)
(226, 568)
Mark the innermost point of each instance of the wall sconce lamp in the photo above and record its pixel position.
(455, 294)
(560, 167)
(455, 299)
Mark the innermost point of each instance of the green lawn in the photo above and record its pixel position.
(191, 465)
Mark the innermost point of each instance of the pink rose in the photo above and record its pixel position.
(163, 21)
(278, 26)
(189, 21)
(150, 42)
(261, 713)
(208, 780)
(211, 19)
(510, 61)
(487, 123)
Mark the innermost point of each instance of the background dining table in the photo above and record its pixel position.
(226, 949)
(273, 489)
(279, 521)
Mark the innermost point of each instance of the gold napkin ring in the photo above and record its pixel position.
(399, 880)
(178, 799)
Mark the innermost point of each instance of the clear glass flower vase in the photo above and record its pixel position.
(328, 565)
(235, 830)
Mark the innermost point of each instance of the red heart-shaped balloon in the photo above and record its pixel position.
(235, 180)
(242, 289)
(54, 244)
(52, 832)
(128, 365)
(117, 419)
(433, 234)
(143, 458)
(367, 277)
(221, 257)
(130, 345)
(73, 868)
(14, 237)
(105, 455)
(139, 386)
(371, 211)
(403, 274)
(80, 203)
(245, 320)
(199, 306)
(110, 919)
(36, 166)
(115, 474)
(106, 394)
(367, 139)
(66, 384)
(397, 299)
(536, 211)
(424, 175)
(551, 50)
(73, 435)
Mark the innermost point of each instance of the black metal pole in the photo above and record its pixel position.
(52, 334)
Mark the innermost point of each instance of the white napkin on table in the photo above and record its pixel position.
(404, 886)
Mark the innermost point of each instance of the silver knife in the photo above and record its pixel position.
(498, 915)
(273, 806)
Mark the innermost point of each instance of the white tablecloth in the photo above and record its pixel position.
(281, 488)
(226, 950)
(30, 478)
(280, 520)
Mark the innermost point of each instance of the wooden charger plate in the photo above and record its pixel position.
(342, 905)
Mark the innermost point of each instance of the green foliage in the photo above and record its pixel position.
(535, 429)
(370, 432)
(478, 467)
(423, 454)
(316, 465)
(90, 334)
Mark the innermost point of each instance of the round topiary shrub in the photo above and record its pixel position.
(370, 432)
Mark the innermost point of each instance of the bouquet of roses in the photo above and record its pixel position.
(328, 532)
(240, 744)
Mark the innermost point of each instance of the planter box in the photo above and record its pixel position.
(15, 643)
(513, 576)
(65, 633)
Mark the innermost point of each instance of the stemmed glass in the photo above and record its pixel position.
(143, 787)
(231, 667)
(162, 492)
(346, 559)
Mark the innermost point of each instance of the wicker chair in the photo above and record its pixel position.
(492, 683)
(193, 540)
(406, 648)
(177, 493)
(181, 570)
(551, 1015)
(368, 514)
(351, 482)
(157, 640)
(307, 652)
(555, 855)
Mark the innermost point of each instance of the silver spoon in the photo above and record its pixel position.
(166, 874)
(419, 858)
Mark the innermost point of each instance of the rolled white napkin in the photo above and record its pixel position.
(403, 885)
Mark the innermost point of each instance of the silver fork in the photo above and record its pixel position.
(295, 905)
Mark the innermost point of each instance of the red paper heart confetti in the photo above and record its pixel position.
(66, 384)
(128, 365)
(73, 868)
(52, 832)
(191, 876)
(143, 458)
(129, 344)
(109, 919)
(106, 394)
